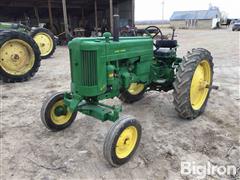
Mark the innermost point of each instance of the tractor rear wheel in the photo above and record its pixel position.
(19, 56)
(45, 41)
(193, 83)
(134, 93)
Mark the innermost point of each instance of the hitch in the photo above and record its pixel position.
(212, 87)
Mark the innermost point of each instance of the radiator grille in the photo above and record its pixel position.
(88, 68)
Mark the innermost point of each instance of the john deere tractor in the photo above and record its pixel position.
(43, 37)
(127, 67)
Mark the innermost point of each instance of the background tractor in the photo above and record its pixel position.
(127, 67)
(19, 56)
(42, 36)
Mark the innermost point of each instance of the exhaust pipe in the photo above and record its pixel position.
(116, 27)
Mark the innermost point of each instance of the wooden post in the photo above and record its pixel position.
(70, 23)
(96, 16)
(83, 18)
(65, 17)
(111, 14)
(133, 12)
(50, 14)
(36, 14)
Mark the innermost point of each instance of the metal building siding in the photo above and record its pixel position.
(200, 15)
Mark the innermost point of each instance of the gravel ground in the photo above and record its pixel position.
(30, 151)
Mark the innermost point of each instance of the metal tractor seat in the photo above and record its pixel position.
(166, 43)
(164, 47)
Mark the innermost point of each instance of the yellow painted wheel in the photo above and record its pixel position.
(17, 57)
(200, 82)
(193, 82)
(126, 142)
(135, 88)
(134, 93)
(55, 115)
(59, 113)
(122, 141)
(44, 42)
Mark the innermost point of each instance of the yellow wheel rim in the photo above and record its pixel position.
(16, 57)
(59, 119)
(135, 88)
(126, 142)
(44, 42)
(199, 85)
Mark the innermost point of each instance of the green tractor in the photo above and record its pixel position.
(21, 50)
(127, 67)
(42, 36)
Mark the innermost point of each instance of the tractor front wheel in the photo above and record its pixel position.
(193, 83)
(45, 41)
(134, 93)
(55, 115)
(122, 141)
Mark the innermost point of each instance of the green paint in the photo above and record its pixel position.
(100, 68)
(13, 26)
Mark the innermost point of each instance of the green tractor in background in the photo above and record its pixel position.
(21, 50)
(42, 36)
(19, 56)
(127, 67)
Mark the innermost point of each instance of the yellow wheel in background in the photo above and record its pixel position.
(55, 115)
(193, 82)
(122, 141)
(136, 88)
(45, 41)
(200, 82)
(134, 93)
(19, 56)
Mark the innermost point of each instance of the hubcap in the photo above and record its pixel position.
(44, 42)
(199, 85)
(126, 142)
(59, 113)
(16, 57)
(135, 88)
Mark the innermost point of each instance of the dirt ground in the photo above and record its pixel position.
(30, 151)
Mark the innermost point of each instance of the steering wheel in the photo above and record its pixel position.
(153, 29)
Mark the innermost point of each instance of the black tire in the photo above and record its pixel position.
(35, 31)
(129, 98)
(182, 83)
(10, 35)
(46, 113)
(109, 148)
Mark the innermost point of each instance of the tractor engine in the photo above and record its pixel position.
(102, 67)
(124, 67)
